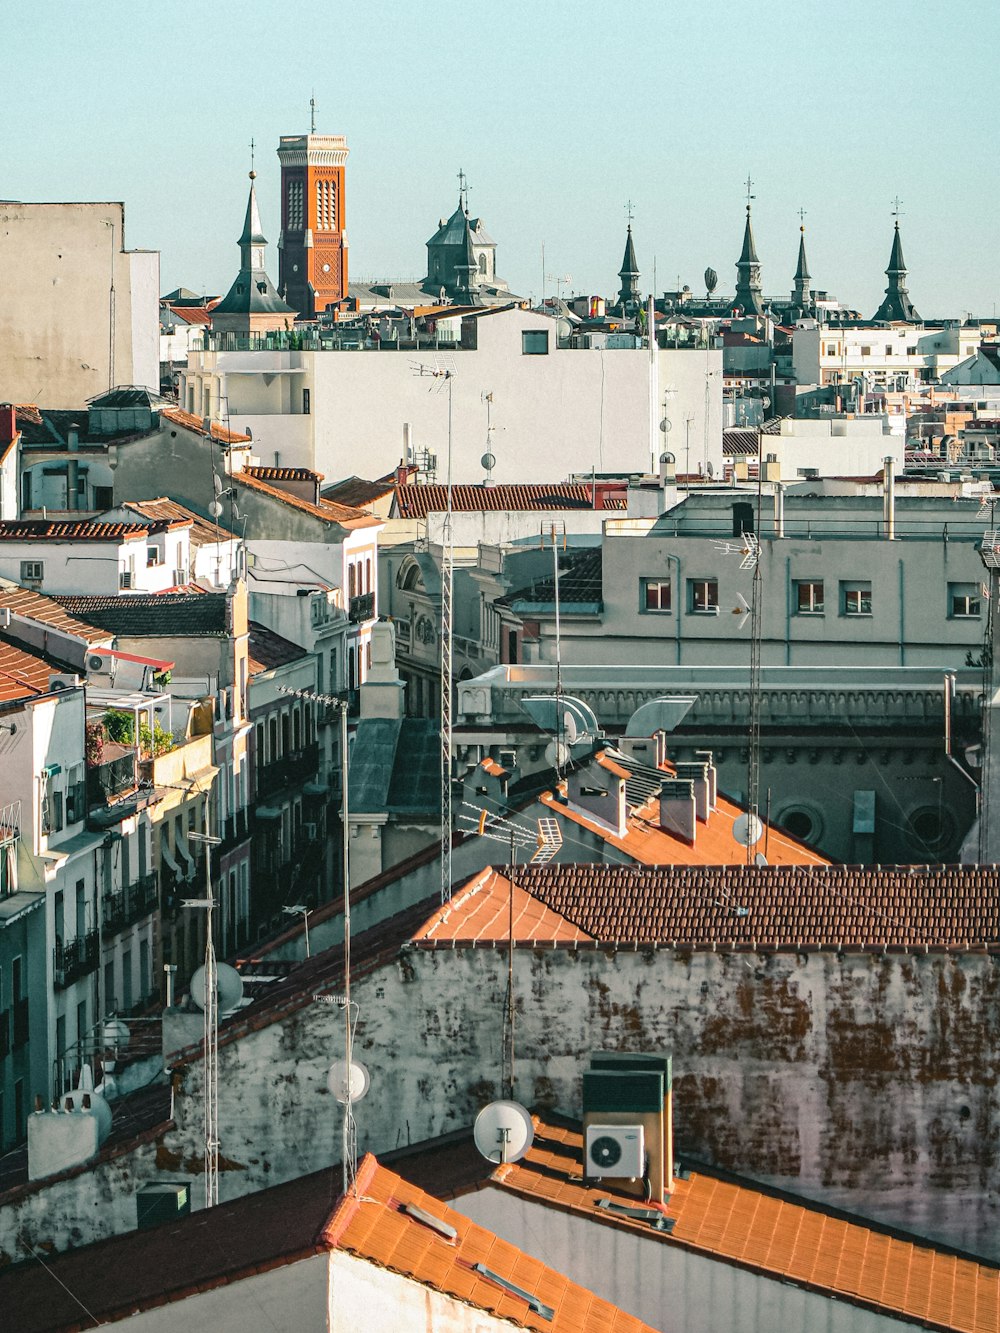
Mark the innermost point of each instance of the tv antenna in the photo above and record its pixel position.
(447, 639)
(488, 460)
(555, 532)
(312, 114)
(210, 995)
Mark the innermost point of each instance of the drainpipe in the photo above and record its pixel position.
(889, 497)
(949, 698)
(677, 607)
(779, 509)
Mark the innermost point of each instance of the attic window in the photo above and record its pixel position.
(262, 288)
(592, 791)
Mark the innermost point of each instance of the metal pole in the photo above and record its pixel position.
(349, 1145)
(447, 646)
(211, 1037)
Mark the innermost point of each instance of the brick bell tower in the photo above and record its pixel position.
(312, 249)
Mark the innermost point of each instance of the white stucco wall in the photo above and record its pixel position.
(144, 274)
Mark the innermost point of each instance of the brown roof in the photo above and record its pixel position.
(744, 907)
(374, 1225)
(24, 602)
(164, 510)
(482, 910)
(776, 1236)
(22, 675)
(325, 510)
(192, 314)
(357, 493)
(269, 650)
(216, 430)
(284, 473)
(70, 530)
(419, 501)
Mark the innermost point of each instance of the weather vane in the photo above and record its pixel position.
(463, 189)
(802, 217)
(629, 211)
(749, 185)
(253, 173)
(896, 210)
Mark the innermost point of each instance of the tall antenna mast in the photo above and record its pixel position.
(756, 598)
(554, 536)
(312, 114)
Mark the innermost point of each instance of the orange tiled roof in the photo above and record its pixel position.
(327, 510)
(75, 530)
(419, 501)
(778, 1237)
(644, 841)
(738, 907)
(481, 911)
(373, 1225)
(284, 473)
(164, 510)
(216, 430)
(22, 675)
(35, 605)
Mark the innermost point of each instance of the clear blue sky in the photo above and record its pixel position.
(559, 112)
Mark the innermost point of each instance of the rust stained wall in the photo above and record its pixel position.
(863, 1081)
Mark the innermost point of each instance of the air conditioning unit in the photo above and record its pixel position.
(616, 1151)
(125, 579)
(95, 662)
(64, 682)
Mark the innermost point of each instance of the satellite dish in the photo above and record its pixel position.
(666, 425)
(710, 470)
(215, 508)
(760, 859)
(556, 754)
(115, 1033)
(503, 1132)
(711, 280)
(229, 987)
(570, 731)
(338, 1083)
(747, 830)
(217, 483)
(488, 461)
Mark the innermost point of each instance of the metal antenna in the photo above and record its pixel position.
(463, 189)
(553, 534)
(447, 644)
(211, 1099)
(312, 114)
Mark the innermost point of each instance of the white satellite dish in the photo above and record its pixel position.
(229, 988)
(488, 461)
(747, 830)
(337, 1082)
(217, 483)
(215, 508)
(556, 754)
(760, 859)
(570, 731)
(503, 1132)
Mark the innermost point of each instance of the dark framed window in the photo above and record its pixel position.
(703, 596)
(535, 342)
(656, 595)
(856, 598)
(964, 601)
(808, 597)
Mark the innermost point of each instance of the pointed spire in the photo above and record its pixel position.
(748, 297)
(252, 304)
(802, 273)
(802, 300)
(628, 292)
(252, 231)
(896, 305)
(467, 268)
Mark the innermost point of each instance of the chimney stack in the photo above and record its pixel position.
(678, 811)
(8, 423)
(698, 773)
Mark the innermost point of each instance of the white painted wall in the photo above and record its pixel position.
(144, 275)
(95, 567)
(667, 1286)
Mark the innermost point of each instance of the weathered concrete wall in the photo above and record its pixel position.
(864, 1081)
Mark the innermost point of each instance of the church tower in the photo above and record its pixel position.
(312, 264)
(628, 291)
(896, 304)
(748, 296)
(252, 305)
(801, 295)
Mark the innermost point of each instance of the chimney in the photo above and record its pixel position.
(599, 791)
(628, 1124)
(707, 757)
(8, 423)
(697, 773)
(407, 448)
(678, 813)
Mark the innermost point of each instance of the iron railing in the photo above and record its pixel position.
(74, 959)
(129, 905)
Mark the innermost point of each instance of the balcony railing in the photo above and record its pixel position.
(129, 905)
(77, 958)
(106, 781)
(361, 607)
(234, 829)
(295, 767)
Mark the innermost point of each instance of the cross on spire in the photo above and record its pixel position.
(253, 173)
(629, 211)
(463, 189)
(802, 216)
(896, 210)
(750, 195)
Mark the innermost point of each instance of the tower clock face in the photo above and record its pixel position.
(326, 268)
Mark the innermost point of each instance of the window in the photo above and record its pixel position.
(703, 596)
(808, 597)
(964, 601)
(912, 351)
(306, 402)
(656, 595)
(856, 599)
(742, 519)
(32, 571)
(866, 351)
(152, 556)
(535, 342)
(888, 349)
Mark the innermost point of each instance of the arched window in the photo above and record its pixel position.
(482, 264)
(350, 580)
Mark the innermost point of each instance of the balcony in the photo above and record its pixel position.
(236, 828)
(291, 769)
(75, 959)
(361, 608)
(111, 778)
(129, 905)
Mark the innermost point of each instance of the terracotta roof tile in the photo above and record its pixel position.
(419, 501)
(356, 492)
(164, 510)
(778, 1236)
(325, 510)
(735, 906)
(284, 473)
(70, 530)
(269, 650)
(22, 674)
(216, 431)
(36, 606)
(373, 1226)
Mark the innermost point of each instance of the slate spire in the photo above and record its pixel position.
(467, 269)
(748, 296)
(801, 295)
(896, 305)
(628, 292)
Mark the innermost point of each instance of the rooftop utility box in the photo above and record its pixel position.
(628, 1122)
(159, 1203)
